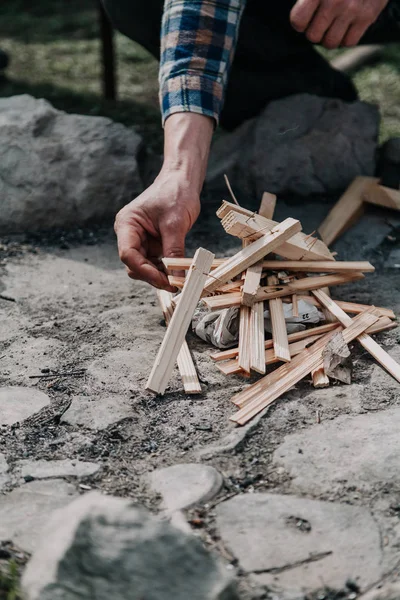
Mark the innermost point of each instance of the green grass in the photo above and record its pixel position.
(380, 85)
(9, 583)
(55, 54)
(54, 48)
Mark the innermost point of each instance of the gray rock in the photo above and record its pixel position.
(58, 169)
(46, 469)
(18, 403)
(393, 260)
(301, 145)
(362, 450)
(26, 510)
(390, 591)
(185, 485)
(4, 477)
(103, 547)
(293, 544)
(97, 413)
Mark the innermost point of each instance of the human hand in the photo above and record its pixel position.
(335, 23)
(154, 225)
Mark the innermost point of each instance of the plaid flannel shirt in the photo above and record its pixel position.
(198, 40)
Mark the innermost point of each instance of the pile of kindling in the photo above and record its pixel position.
(302, 268)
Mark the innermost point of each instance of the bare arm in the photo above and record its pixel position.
(156, 223)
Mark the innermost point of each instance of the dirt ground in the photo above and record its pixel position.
(67, 305)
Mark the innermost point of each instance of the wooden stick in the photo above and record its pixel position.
(325, 266)
(295, 305)
(351, 307)
(267, 206)
(292, 337)
(365, 340)
(306, 284)
(308, 266)
(180, 321)
(299, 247)
(319, 378)
(245, 341)
(223, 301)
(184, 264)
(251, 284)
(382, 196)
(355, 58)
(279, 332)
(346, 211)
(260, 395)
(252, 254)
(257, 337)
(231, 367)
(185, 362)
(383, 324)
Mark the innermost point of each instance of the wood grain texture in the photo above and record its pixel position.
(257, 337)
(382, 196)
(323, 266)
(180, 321)
(251, 284)
(305, 284)
(251, 254)
(278, 323)
(298, 247)
(267, 206)
(365, 340)
(319, 378)
(186, 366)
(269, 388)
(245, 341)
(346, 211)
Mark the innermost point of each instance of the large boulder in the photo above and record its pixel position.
(103, 547)
(58, 169)
(299, 145)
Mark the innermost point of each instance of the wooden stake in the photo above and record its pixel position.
(180, 321)
(231, 367)
(306, 284)
(267, 206)
(382, 196)
(279, 332)
(324, 266)
(251, 284)
(299, 247)
(245, 341)
(351, 307)
(292, 337)
(252, 254)
(260, 395)
(346, 211)
(184, 264)
(295, 305)
(365, 340)
(185, 362)
(257, 336)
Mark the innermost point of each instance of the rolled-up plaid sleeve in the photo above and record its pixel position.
(198, 40)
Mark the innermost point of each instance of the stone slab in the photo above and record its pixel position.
(275, 537)
(362, 451)
(185, 485)
(17, 403)
(25, 510)
(97, 413)
(47, 469)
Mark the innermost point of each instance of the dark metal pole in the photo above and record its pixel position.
(108, 55)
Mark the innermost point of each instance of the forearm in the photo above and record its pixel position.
(186, 148)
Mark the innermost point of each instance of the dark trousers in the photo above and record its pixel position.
(272, 60)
